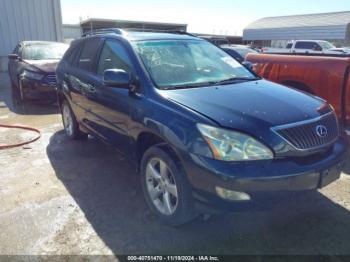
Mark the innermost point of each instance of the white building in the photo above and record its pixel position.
(276, 31)
(28, 20)
(71, 32)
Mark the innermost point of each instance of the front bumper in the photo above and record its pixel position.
(38, 90)
(263, 180)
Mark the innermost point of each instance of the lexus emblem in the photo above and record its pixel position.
(321, 131)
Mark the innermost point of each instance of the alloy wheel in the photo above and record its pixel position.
(161, 186)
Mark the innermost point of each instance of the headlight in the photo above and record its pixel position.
(32, 75)
(233, 146)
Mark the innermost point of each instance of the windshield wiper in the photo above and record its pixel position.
(194, 85)
(234, 79)
(211, 83)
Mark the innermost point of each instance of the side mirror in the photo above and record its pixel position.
(248, 65)
(13, 57)
(116, 78)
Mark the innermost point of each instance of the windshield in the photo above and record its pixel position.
(176, 63)
(44, 51)
(326, 45)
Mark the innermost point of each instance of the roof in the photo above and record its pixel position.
(317, 26)
(325, 19)
(138, 36)
(235, 46)
(25, 43)
(99, 23)
(127, 21)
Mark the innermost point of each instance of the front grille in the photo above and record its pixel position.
(51, 79)
(304, 135)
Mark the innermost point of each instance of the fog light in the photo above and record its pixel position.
(231, 195)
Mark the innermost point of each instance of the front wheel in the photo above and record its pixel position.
(71, 126)
(165, 186)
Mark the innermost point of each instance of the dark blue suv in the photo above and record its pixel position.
(203, 130)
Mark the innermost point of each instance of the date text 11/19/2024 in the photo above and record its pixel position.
(173, 258)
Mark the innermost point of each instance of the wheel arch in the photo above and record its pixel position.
(146, 140)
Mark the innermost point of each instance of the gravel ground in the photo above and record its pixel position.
(72, 197)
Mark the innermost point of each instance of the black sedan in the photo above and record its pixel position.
(32, 67)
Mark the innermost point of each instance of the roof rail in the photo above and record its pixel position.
(171, 31)
(121, 32)
(104, 31)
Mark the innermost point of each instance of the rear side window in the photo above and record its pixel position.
(305, 45)
(113, 56)
(88, 53)
(289, 46)
(72, 54)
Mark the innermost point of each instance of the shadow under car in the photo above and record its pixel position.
(107, 189)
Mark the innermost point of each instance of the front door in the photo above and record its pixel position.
(109, 106)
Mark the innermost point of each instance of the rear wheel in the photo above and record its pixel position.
(165, 186)
(70, 123)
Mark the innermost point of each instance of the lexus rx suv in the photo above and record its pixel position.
(205, 132)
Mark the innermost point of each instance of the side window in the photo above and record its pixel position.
(304, 45)
(289, 46)
(88, 53)
(113, 56)
(317, 47)
(72, 55)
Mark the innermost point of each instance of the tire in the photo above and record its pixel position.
(172, 200)
(71, 126)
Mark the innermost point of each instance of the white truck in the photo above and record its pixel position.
(307, 46)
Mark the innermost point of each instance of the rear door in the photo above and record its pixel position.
(80, 76)
(109, 106)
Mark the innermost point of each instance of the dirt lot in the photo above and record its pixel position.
(64, 197)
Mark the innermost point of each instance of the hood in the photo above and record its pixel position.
(47, 66)
(341, 49)
(249, 106)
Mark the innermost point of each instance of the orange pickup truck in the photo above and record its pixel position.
(323, 76)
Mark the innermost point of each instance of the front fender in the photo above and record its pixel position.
(174, 124)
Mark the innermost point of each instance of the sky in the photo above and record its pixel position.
(228, 17)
